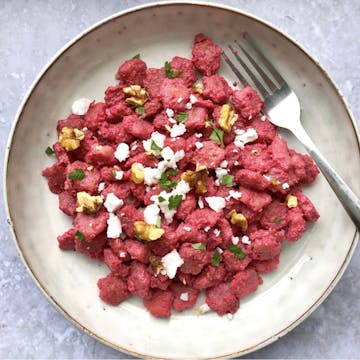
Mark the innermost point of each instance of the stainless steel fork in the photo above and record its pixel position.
(282, 108)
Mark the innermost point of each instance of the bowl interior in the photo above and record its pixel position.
(308, 268)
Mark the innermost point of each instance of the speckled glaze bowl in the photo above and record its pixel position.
(309, 268)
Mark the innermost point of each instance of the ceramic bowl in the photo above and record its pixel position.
(309, 268)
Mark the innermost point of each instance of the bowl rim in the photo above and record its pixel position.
(53, 61)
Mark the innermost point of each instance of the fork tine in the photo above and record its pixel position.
(234, 69)
(262, 73)
(251, 75)
(265, 61)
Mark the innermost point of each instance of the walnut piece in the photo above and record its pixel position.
(136, 95)
(292, 201)
(197, 89)
(137, 173)
(88, 203)
(156, 265)
(227, 117)
(70, 138)
(147, 232)
(238, 220)
(197, 179)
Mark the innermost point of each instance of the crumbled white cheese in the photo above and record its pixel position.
(179, 100)
(112, 202)
(158, 139)
(224, 164)
(177, 130)
(235, 240)
(204, 308)
(187, 228)
(122, 254)
(234, 194)
(219, 250)
(151, 214)
(263, 118)
(285, 185)
(216, 203)
(170, 158)
(200, 202)
(114, 227)
(267, 177)
(134, 147)
(236, 163)
(188, 105)
(198, 135)
(217, 182)
(193, 99)
(250, 117)
(199, 145)
(243, 137)
(220, 172)
(245, 240)
(80, 106)
(172, 120)
(101, 187)
(118, 174)
(171, 262)
(122, 152)
(170, 113)
(184, 296)
(151, 175)
(217, 232)
(207, 228)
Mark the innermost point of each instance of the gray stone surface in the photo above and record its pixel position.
(31, 32)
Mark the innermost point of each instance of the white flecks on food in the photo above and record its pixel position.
(156, 138)
(171, 262)
(184, 296)
(122, 254)
(179, 100)
(151, 175)
(170, 113)
(122, 152)
(236, 163)
(245, 240)
(101, 187)
(198, 135)
(187, 228)
(216, 203)
(217, 232)
(204, 308)
(263, 118)
(199, 145)
(188, 105)
(285, 185)
(200, 202)
(114, 227)
(224, 164)
(219, 250)
(220, 172)
(172, 120)
(151, 214)
(177, 130)
(193, 99)
(235, 240)
(207, 228)
(80, 106)
(234, 195)
(244, 137)
(217, 182)
(112, 202)
(118, 174)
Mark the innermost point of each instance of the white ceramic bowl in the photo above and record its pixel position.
(309, 269)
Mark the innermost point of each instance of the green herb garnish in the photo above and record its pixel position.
(137, 56)
(171, 74)
(216, 259)
(155, 146)
(158, 223)
(181, 117)
(49, 151)
(141, 110)
(80, 235)
(227, 180)
(113, 174)
(237, 251)
(174, 201)
(166, 183)
(77, 174)
(277, 219)
(173, 172)
(137, 237)
(218, 136)
(161, 199)
(199, 246)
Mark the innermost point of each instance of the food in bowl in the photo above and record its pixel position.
(180, 184)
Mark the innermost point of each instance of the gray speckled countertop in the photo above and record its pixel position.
(31, 32)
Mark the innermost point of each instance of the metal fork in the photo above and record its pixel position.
(282, 108)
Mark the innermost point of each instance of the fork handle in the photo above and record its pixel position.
(349, 200)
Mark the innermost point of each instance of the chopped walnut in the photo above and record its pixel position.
(156, 265)
(197, 179)
(227, 117)
(147, 232)
(238, 220)
(255, 152)
(137, 173)
(197, 89)
(292, 201)
(88, 203)
(70, 138)
(136, 95)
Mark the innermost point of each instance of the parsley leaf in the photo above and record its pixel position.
(199, 246)
(166, 183)
(161, 199)
(277, 219)
(113, 174)
(80, 235)
(237, 251)
(141, 110)
(137, 56)
(173, 172)
(158, 223)
(216, 259)
(155, 146)
(77, 174)
(137, 237)
(218, 136)
(49, 151)
(227, 180)
(174, 201)
(171, 74)
(181, 117)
